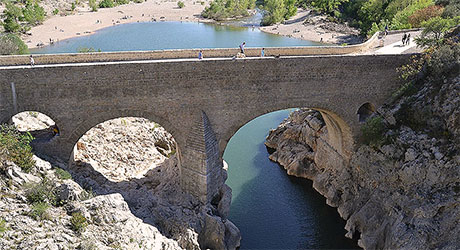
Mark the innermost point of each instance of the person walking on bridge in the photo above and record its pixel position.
(32, 61)
(242, 47)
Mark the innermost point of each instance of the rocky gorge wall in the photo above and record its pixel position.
(128, 165)
(401, 193)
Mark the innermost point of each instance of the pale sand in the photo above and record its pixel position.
(317, 29)
(86, 22)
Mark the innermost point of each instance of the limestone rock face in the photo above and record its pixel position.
(125, 186)
(400, 194)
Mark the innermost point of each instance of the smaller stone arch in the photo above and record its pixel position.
(365, 111)
(41, 126)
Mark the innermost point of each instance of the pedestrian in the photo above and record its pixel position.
(404, 39)
(408, 39)
(32, 61)
(242, 47)
(386, 29)
(262, 52)
(200, 55)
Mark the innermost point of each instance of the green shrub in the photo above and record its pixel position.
(73, 7)
(93, 5)
(180, 4)
(15, 147)
(40, 211)
(223, 9)
(55, 11)
(120, 2)
(11, 17)
(87, 194)
(78, 222)
(33, 13)
(106, 4)
(11, 44)
(373, 131)
(41, 192)
(3, 227)
(62, 174)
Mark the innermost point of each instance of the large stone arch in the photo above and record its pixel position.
(339, 131)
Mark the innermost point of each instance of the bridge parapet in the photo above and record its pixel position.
(187, 53)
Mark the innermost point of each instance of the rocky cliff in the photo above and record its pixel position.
(401, 187)
(124, 182)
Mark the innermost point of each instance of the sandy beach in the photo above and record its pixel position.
(309, 26)
(84, 22)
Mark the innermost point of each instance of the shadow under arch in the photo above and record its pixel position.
(340, 135)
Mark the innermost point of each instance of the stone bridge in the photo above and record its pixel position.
(202, 103)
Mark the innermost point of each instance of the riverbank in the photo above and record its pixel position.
(85, 22)
(315, 27)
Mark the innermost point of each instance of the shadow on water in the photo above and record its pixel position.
(277, 211)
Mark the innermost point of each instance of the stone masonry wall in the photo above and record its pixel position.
(176, 93)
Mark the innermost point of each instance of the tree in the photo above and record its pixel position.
(33, 13)
(328, 6)
(12, 15)
(425, 14)
(435, 29)
(275, 12)
(291, 8)
(11, 44)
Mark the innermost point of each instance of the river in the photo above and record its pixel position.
(272, 210)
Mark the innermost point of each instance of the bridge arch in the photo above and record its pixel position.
(340, 135)
(90, 121)
(123, 148)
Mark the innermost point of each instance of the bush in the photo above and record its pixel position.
(3, 227)
(401, 19)
(40, 211)
(41, 192)
(11, 44)
(180, 4)
(78, 222)
(120, 2)
(12, 15)
(435, 29)
(223, 9)
(373, 131)
(93, 5)
(15, 147)
(106, 4)
(55, 11)
(62, 174)
(425, 14)
(33, 13)
(444, 61)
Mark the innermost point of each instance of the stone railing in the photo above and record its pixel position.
(186, 53)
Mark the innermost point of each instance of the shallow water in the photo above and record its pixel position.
(171, 35)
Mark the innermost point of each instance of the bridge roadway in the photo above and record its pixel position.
(202, 103)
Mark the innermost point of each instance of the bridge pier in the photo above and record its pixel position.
(202, 172)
